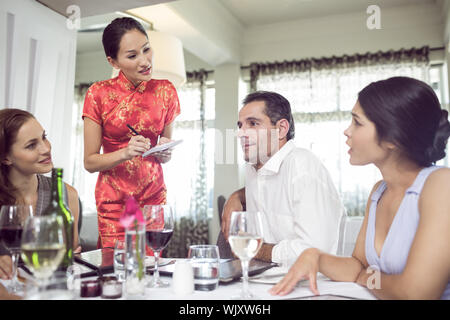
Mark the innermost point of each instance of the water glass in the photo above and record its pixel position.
(205, 264)
(135, 279)
(119, 260)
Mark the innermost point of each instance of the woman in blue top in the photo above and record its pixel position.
(398, 125)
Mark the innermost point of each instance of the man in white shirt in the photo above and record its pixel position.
(288, 185)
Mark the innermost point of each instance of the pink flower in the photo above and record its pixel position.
(131, 214)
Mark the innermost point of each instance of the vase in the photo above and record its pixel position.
(135, 261)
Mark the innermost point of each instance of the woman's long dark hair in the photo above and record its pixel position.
(407, 113)
(114, 32)
(11, 120)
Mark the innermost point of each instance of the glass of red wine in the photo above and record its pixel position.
(12, 220)
(159, 225)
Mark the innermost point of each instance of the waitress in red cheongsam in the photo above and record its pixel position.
(149, 106)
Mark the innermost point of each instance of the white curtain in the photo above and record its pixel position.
(322, 93)
(188, 175)
(83, 181)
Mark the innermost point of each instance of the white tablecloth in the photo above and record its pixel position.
(226, 291)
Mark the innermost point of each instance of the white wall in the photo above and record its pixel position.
(92, 66)
(226, 168)
(37, 68)
(446, 39)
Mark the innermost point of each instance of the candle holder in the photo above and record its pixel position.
(90, 288)
(111, 288)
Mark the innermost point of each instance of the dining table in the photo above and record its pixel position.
(259, 285)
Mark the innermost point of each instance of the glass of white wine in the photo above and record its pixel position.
(43, 246)
(245, 238)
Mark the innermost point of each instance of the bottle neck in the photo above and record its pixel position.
(57, 186)
(57, 193)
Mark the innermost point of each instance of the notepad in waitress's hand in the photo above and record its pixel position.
(162, 147)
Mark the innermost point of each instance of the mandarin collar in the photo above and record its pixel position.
(128, 85)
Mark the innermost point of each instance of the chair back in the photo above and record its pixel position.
(220, 203)
(80, 215)
(349, 230)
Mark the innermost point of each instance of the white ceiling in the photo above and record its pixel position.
(96, 7)
(247, 12)
(260, 12)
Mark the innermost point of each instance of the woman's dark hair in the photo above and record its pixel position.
(11, 120)
(114, 32)
(277, 107)
(407, 113)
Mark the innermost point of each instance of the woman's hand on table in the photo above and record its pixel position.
(166, 155)
(136, 147)
(306, 267)
(5, 267)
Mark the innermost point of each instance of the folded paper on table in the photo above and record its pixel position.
(271, 276)
(162, 147)
(276, 274)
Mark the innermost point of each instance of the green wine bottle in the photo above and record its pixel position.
(57, 206)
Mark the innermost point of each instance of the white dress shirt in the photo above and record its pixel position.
(298, 201)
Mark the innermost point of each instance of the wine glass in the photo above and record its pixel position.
(43, 246)
(12, 220)
(245, 238)
(159, 225)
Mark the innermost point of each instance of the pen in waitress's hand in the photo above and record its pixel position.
(132, 129)
(135, 132)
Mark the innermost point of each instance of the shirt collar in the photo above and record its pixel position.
(273, 165)
(128, 85)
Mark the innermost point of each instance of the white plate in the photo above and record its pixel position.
(150, 261)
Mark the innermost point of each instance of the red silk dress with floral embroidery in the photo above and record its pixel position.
(148, 108)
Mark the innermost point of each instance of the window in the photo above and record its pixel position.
(181, 172)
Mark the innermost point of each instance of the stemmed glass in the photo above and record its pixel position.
(159, 225)
(12, 220)
(43, 246)
(245, 238)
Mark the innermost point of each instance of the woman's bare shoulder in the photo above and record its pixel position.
(439, 178)
(435, 194)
